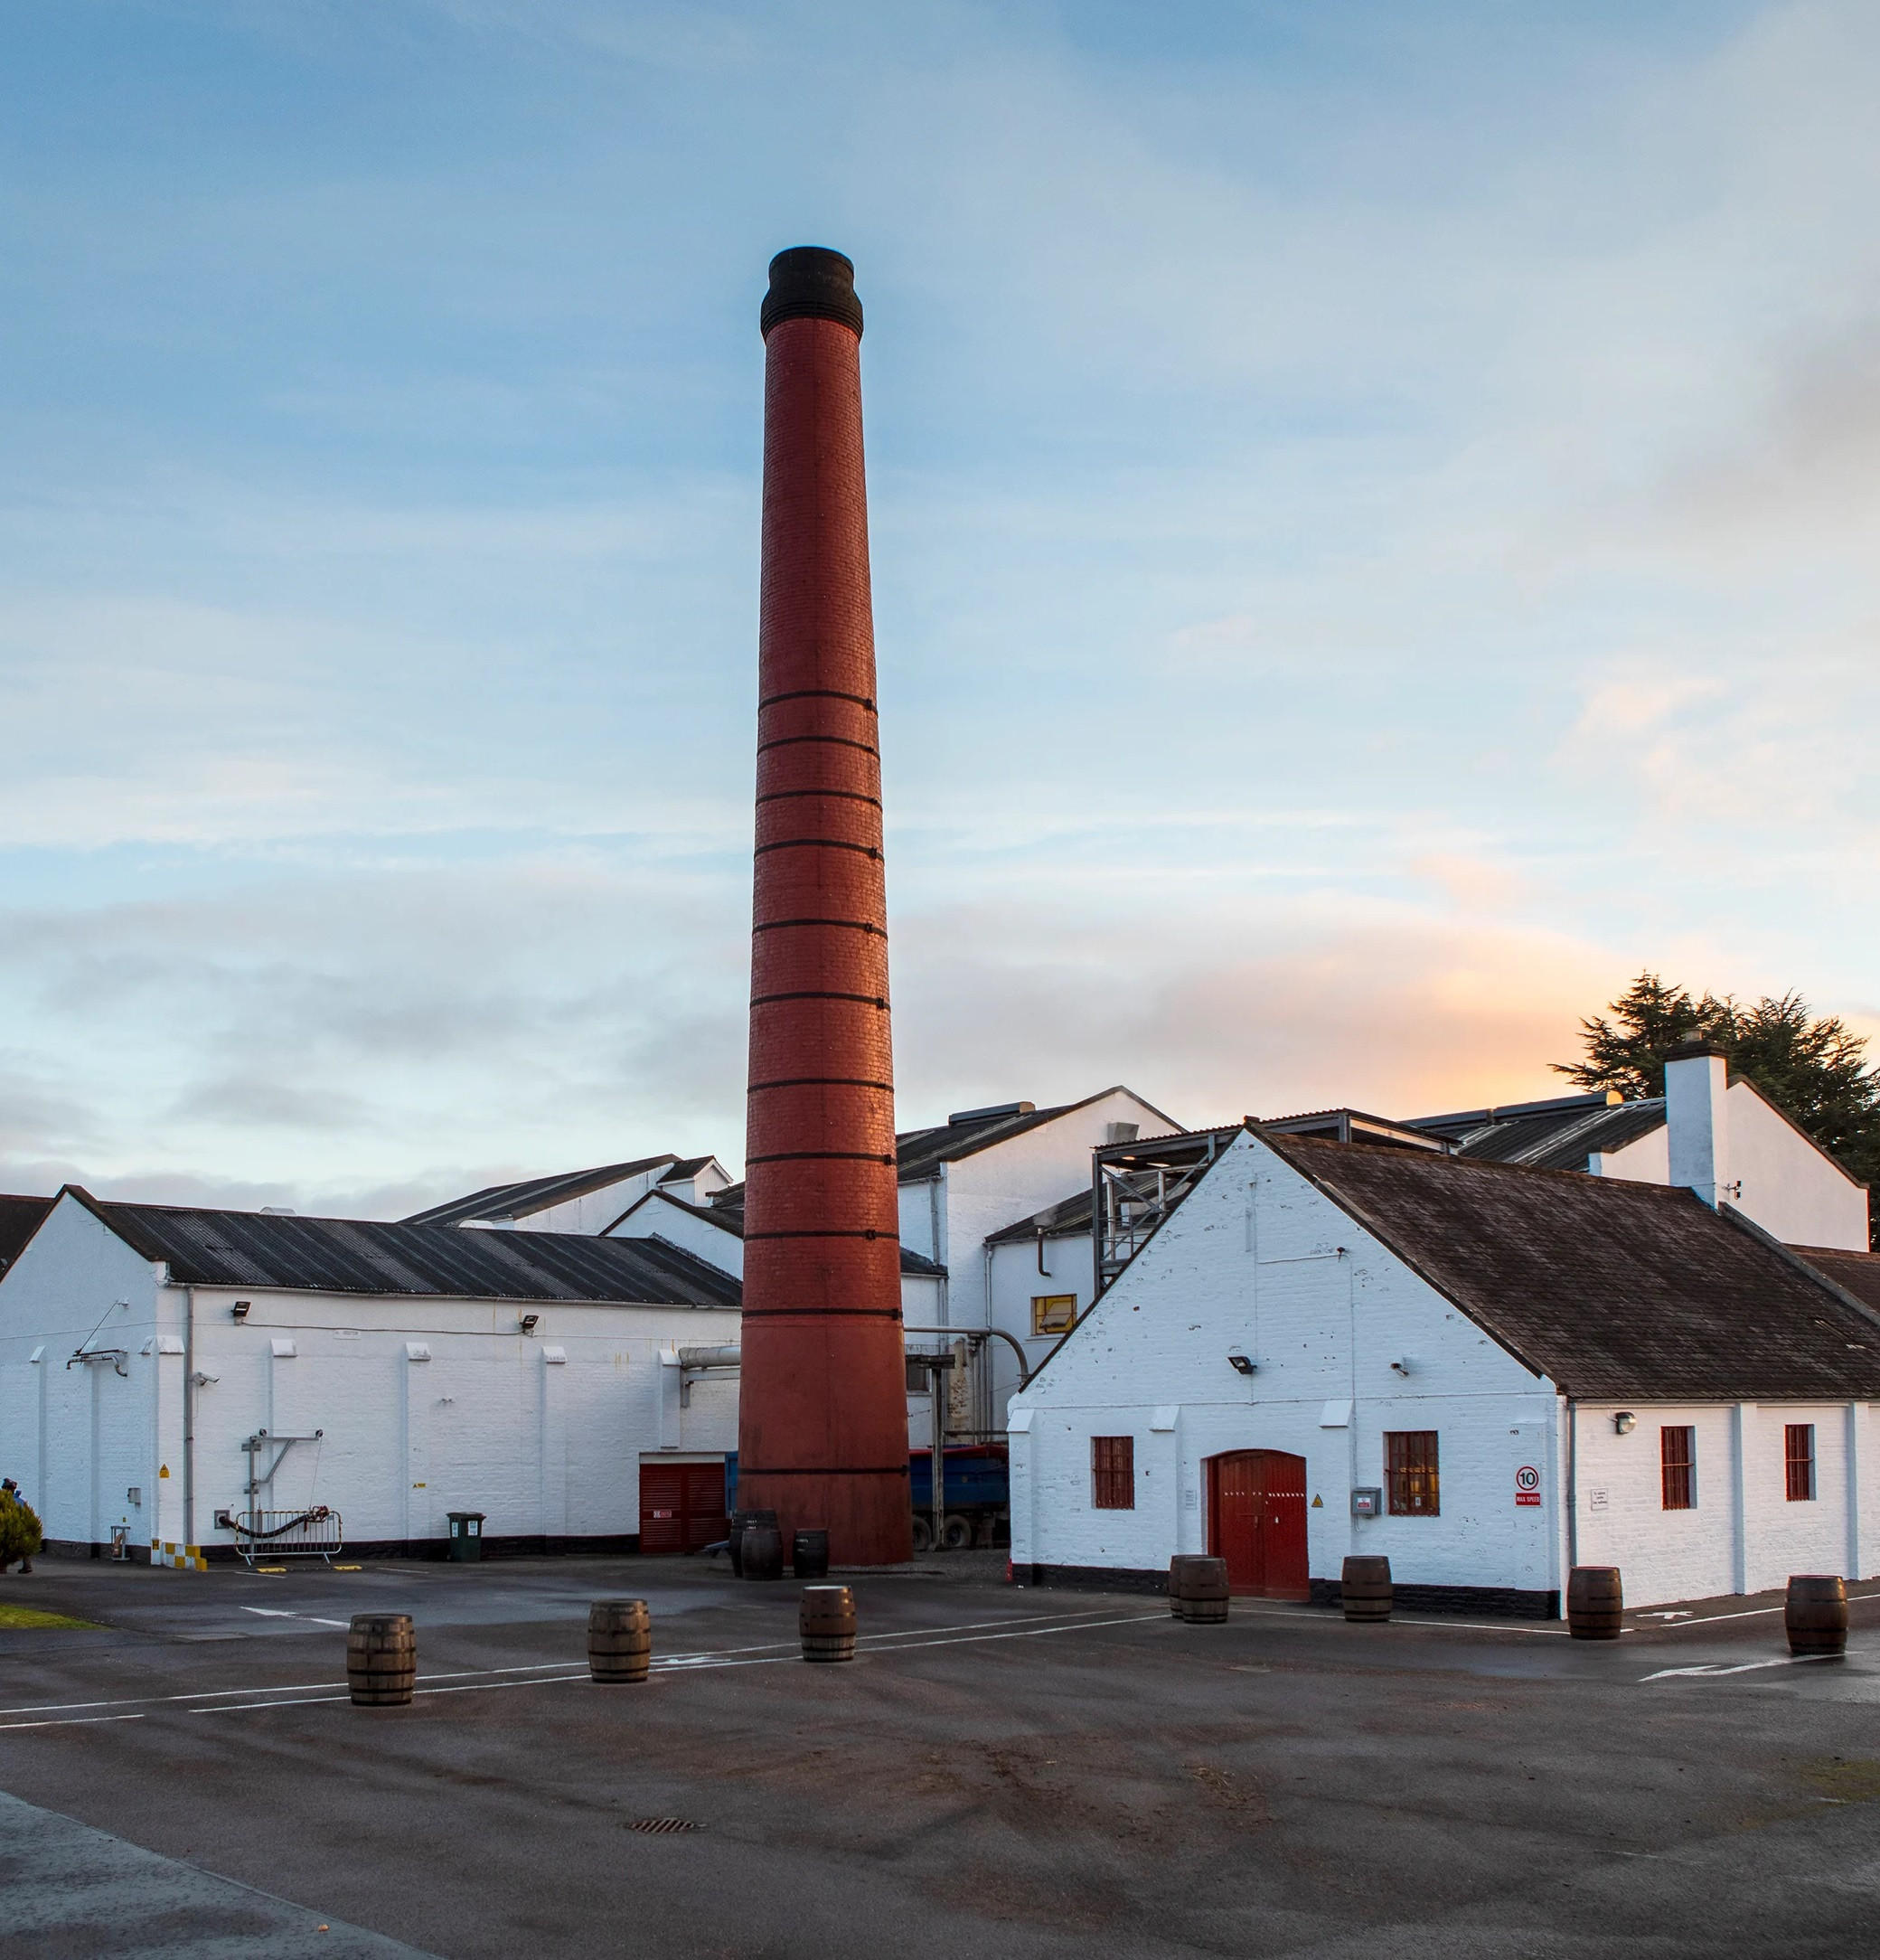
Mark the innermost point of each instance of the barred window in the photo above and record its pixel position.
(1052, 1313)
(1113, 1472)
(1799, 1461)
(1678, 1460)
(1410, 1472)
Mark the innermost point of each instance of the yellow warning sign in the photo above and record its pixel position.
(1318, 1504)
(163, 1470)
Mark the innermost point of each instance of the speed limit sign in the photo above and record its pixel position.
(1527, 1485)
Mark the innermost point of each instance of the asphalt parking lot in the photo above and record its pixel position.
(1001, 1772)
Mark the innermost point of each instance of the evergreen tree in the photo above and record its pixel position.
(1814, 1071)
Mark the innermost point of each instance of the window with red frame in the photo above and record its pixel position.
(1799, 1461)
(1113, 1472)
(1678, 1461)
(1410, 1472)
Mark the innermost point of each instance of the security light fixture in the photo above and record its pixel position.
(1401, 1367)
(1241, 1364)
(1625, 1422)
(239, 1309)
(529, 1320)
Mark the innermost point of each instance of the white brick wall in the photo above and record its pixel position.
(1257, 1261)
(490, 1423)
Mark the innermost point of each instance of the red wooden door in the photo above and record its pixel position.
(1257, 1521)
(681, 1505)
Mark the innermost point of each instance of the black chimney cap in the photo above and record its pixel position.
(809, 282)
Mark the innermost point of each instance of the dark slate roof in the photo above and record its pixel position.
(1614, 1289)
(347, 1255)
(535, 1193)
(19, 1219)
(1858, 1272)
(921, 1152)
(1070, 1217)
(1559, 1136)
(685, 1168)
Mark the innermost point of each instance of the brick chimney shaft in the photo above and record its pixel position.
(822, 1424)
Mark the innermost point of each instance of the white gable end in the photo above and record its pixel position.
(1257, 1262)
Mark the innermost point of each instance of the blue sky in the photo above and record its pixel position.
(1374, 520)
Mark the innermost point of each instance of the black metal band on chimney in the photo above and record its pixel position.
(809, 282)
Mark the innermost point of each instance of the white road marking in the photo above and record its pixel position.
(73, 1721)
(692, 1663)
(1714, 1670)
(280, 1613)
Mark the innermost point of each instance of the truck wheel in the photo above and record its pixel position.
(956, 1533)
(923, 1535)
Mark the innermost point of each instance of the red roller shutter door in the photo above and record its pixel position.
(681, 1505)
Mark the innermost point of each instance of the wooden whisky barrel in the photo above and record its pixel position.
(809, 1554)
(1202, 1590)
(1815, 1614)
(619, 1640)
(762, 1550)
(381, 1659)
(826, 1619)
(734, 1543)
(1179, 1559)
(1595, 1602)
(1364, 1587)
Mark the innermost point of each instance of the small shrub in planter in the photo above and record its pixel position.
(20, 1533)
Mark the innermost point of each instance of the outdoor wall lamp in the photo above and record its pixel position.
(239, 1309)
(1624, 1422)
(1241, 1364)
(529, 1320)
(1401, 1367)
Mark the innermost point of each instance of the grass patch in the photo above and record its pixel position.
(32, 1617)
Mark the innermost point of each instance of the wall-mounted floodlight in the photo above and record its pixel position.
(1241, 1365)
(1401, 1367)
(1625, 1422)
(239, 1309)
(529, 1320)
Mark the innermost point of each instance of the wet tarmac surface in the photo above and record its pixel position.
(1000, 1772)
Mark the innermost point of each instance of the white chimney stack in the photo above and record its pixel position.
(1695, 1077)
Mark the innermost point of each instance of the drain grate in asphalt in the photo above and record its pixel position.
(658, 1826)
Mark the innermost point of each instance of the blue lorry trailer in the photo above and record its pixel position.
(977, 1488)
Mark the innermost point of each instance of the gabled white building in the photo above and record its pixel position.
(1486, 1373)
(157, 1361)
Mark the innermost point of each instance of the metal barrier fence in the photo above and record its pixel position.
(314, 1533)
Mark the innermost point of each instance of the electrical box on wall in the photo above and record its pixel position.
(1367, 1504)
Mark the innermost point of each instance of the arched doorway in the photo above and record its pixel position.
(1257, 1521)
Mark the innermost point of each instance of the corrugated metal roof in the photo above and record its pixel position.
(921, 1152)
(365, 1256)
(535, 1193)
(19, 1219)
(1562, 1139)
(1615, 1289)
(1067, 1218)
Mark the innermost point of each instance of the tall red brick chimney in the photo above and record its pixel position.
(823, 1425)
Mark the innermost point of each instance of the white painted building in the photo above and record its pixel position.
(960, 1181)
(1720, 1136)
(1487, 1373)
(533, 1377)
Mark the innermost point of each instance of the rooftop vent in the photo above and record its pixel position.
(991, 1111)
